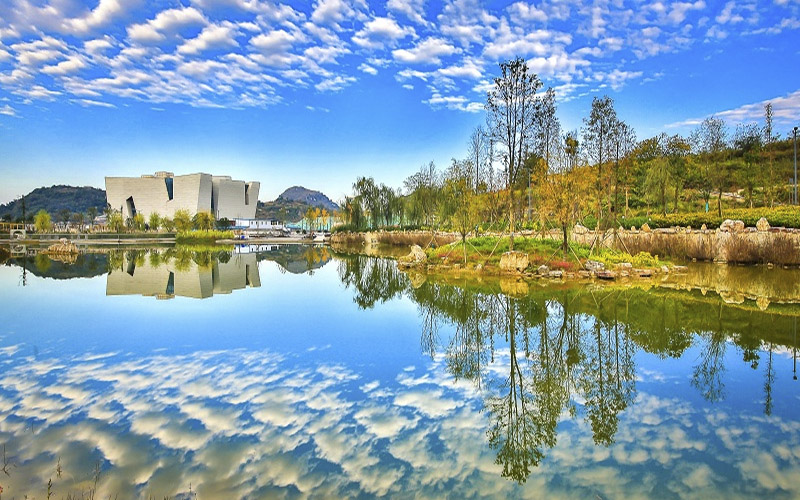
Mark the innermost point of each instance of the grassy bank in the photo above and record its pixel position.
(785, 216)
(487, 251)
(203, 237)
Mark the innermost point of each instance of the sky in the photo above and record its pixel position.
(318, 92)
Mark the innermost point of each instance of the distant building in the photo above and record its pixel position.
(164, 193)
(258, 226)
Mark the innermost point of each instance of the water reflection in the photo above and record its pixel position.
(547, 392)
(542, 355)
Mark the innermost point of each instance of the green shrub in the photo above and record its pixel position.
(203, 236)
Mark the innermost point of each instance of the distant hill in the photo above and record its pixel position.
(293, 203)
(54, 199)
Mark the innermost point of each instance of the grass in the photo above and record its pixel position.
(196, 237)
(487, 250)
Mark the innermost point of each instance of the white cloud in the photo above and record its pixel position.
(414, 10)
(100, 16)
(8, 110)
(428, 51)
(98, 45)
(334, 84)
(213, 36)
(165, 23)
(71, 65)
(380, 32)
(366, 68)
(334, 12)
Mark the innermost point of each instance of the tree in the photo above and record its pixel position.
(42, 222)
(459, 198)
(136, 222)
(182, 220)
(154, 221)
(677, 150)
(167, 224)
(92, 213)
(64, 215)
(598, 139)
(562, 188)
(748, 142)
(511, 108)
(203, 221)
(422, 194)
(478, 152)
(769, 181)
(712, 134)
(115, 221)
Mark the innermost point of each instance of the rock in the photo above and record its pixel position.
(580, 229)
(624, 265)
(606, 275)
(556, 274)
(704, 228)
(665, 269)
(643, 273)
(594, 266)
(646, 227)
(633, 229)
(63, 247)
(762, 225)
(732, 226)
(543, 269)
(514, 261)
(584, 274)
(680, 269)
(415, 257)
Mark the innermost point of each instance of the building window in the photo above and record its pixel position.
(168, 183)
(246, 194)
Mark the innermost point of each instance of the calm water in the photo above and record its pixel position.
(295, 372)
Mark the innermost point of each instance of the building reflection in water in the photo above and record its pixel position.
(168, 274)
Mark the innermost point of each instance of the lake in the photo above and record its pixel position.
(291, 371)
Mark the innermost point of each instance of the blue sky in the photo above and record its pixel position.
(316, 92)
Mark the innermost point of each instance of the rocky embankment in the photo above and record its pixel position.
(423, 239)
(731, 242)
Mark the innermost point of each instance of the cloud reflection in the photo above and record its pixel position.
(254, 424)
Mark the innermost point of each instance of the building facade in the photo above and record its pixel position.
(165, 193)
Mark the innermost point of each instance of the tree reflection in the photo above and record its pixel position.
(531, 357)
(373, 279)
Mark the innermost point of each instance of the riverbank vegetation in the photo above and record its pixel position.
(486, 251)
(523, 171)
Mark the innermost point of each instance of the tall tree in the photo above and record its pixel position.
(478, 151)
(769, 181)
(598, 134)
(713, 136)
(511, 108)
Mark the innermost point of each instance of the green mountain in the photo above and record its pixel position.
(54, 199)
(293, 203)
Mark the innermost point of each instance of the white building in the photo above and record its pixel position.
(165, 193)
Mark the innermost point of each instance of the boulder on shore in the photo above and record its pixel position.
(594, 266)
(416, 257)
(762, 225)
(514, 261)
(63, 247)
(731, 226)
(646, 228)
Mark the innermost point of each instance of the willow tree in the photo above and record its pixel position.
(511, 108)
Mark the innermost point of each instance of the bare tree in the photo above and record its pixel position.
(478, 154)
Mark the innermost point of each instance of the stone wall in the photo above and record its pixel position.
(731, 243)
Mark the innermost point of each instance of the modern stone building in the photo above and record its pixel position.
(165, 193)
